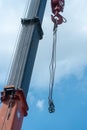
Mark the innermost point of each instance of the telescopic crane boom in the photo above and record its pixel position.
(14, 105)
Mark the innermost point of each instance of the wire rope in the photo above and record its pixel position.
(52, 68)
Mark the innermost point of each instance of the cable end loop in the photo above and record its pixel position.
(51, 107)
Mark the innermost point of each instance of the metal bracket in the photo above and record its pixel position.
(9, 90)
(34, 21)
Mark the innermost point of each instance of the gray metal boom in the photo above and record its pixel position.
(31, 33)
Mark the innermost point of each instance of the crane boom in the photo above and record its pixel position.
(14, 105)
(31, 32)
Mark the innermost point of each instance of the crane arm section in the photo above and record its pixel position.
(30, 35)
(14, 106)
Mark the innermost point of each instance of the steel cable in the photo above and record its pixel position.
(52, 68)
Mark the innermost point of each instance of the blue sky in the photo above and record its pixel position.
(70, 90)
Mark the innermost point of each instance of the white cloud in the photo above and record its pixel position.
(40, 105)
(31, 98)
(84, 29)
(71, 46)
(0, 4)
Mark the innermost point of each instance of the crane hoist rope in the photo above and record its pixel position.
(52, 69)
(57, 7)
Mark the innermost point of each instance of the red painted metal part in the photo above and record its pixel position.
(57, 7)
(14, 108)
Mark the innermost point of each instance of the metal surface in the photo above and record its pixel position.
(21, 70)
(13, 109)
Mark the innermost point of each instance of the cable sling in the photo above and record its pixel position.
(52, 69)
(57, 6)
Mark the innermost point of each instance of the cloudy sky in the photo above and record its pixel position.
(70, 89)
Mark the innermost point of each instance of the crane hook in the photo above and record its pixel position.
(57, 7)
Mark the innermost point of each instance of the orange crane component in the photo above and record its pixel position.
(14, 108)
